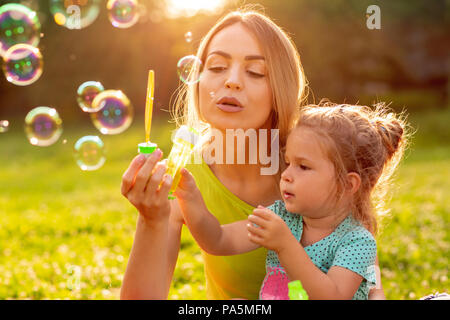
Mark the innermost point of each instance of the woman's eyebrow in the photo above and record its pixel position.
(228, 56)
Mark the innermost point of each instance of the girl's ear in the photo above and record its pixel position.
(353, 182)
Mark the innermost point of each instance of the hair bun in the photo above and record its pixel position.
(391, 132)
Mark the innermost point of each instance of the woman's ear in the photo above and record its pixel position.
(353, 182)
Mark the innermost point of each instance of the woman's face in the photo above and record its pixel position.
(234, 90)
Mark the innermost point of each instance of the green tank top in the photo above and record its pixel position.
(228, 277)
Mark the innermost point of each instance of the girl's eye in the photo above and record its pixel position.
(304, 167)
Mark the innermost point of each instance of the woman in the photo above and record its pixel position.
(252, 78)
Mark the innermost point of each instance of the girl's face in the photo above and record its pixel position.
(234, 90)
(308, 183)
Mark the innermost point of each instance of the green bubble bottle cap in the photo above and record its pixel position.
(296, 291)
(147, 148)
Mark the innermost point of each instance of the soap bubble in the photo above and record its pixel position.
(89, 153)
(75, 14)
(123, 13)
(188, 36)
(86, 93)
(43, 126)
(18, 24)
(22, 64)
(4, 126)
(115, 112)
(189, 68)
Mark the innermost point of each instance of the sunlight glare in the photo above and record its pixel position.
(189, 8)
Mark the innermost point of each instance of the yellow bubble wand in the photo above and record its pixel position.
(148, 147)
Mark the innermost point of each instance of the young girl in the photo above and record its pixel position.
(339, 160)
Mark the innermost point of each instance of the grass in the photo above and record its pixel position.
(67, 234)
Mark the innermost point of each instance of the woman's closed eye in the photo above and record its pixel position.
(216, 69)
(255, 74)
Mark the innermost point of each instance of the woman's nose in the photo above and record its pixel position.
(233, 81)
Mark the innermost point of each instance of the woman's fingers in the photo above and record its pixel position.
(146, 171)
(130, 173)
(165, 186)
(155, 179)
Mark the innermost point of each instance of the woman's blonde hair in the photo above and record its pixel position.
(369, 142)
(284, 68)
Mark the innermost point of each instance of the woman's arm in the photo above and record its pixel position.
(151, 260)
(156, 242)
(215, 239)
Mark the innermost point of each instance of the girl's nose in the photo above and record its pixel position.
(286, 176)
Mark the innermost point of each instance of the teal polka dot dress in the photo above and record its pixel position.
(350, 246)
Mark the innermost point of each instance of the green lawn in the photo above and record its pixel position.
(67, 234)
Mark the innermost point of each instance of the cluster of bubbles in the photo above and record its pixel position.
(19, 37)
(78, 14)
(189, 67)
(20, 31)
(111, 113)
(110, 110)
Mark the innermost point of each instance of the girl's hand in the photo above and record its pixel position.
(271, 232)
(146, 186)
(187, 190)
(190, 198)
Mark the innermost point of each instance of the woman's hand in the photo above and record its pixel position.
(146, 186)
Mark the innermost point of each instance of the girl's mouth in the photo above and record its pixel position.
(287, 195)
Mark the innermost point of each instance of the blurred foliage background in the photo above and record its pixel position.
(53, 216)
(405, 62)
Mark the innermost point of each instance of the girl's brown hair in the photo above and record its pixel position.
(369, 142)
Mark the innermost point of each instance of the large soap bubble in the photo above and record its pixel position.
(189, 68)
(89, 153)
(18, 24)
(43, 126)
(115, 112)
(23, 64)
(75, 14)
(4, 126)
(86, 93)
(123, 13)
